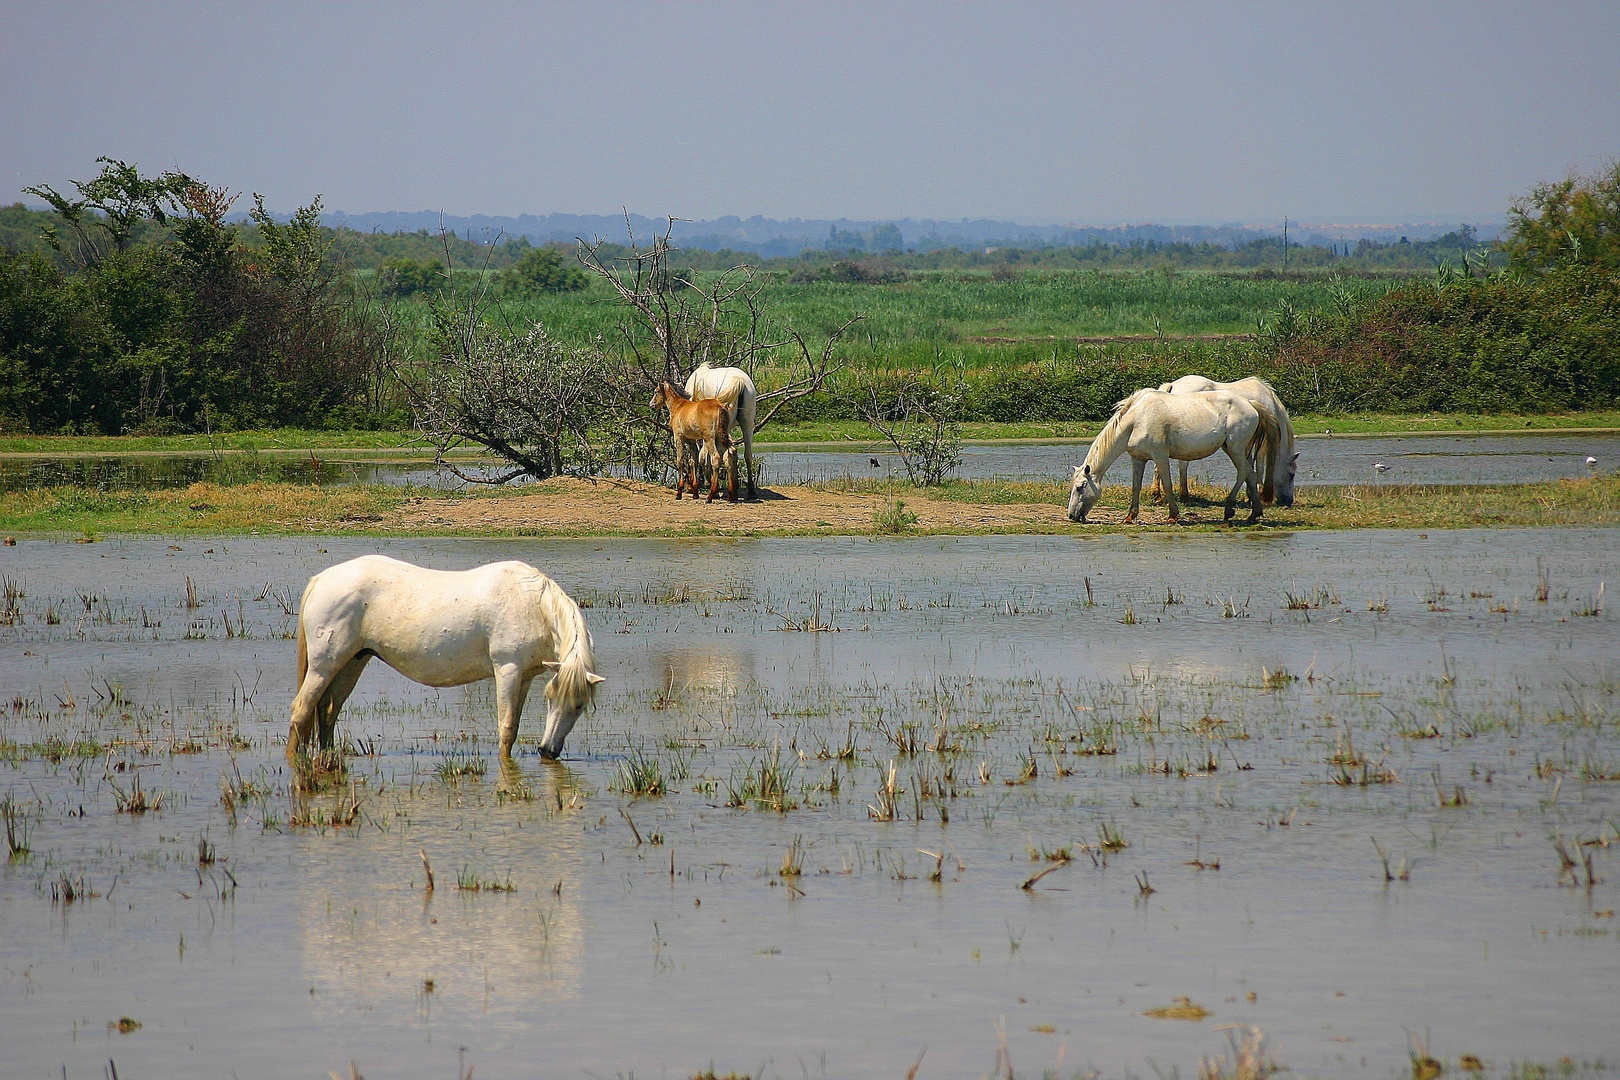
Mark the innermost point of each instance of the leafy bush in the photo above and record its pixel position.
(190, 330)
(542, 270)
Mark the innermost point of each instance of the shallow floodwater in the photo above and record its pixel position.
(1265, 705)
(1410, 459)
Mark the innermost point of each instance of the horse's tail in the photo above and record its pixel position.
(1265, 441)
(722, 436)
(747, 402)
(303, 640)
(576, 678)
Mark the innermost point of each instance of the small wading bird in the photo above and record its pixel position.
(1379, 466)
(1591, 462)
(876, 464)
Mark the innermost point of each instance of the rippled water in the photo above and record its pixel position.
(1491, 713)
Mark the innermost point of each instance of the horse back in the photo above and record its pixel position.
(438, 627)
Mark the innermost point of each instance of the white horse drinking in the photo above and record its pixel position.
(735, 389)
(1152, 425)
(505, 621)
(1281, 459)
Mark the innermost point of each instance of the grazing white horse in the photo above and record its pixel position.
(1152, 425)
(732, 387)
(1281, 459)
(505, 621)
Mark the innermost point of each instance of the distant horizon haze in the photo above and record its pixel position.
(1046, 112)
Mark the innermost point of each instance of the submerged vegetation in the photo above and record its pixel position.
(744, 797)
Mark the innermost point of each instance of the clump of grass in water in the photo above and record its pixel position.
(1276, 680)
(642, 775)
(345, 810)
(793, 859)
(1248, 1061)
(1109, 838)
(893, 518)
(16, 822)
(763, 783)
(1403, 873)
(1371, 773)
(888, 789)
(457, 764)
(467, 880)
(136, 800)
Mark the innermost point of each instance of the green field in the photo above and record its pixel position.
(978, 321)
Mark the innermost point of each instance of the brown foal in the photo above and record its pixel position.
(705, 421)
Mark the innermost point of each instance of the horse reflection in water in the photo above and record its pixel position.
(711, 671)
(373, 936)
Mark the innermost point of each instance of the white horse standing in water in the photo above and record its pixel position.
(1281, 459)
(1152, 425)
(505, 621)
(732, 387)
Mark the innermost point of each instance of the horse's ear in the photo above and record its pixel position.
(551, 665)
(593, 678)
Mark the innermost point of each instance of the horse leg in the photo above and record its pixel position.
(1184, 481)
(1137, 467)
(1256, 503)
(326, 713)
(748, 459)
(511, 691)
(1242, 465)
(1245, 476)
(307, 706)
(714, 469)
(1162, 465)
(731, 472)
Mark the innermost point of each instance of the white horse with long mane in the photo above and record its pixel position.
(1155, 426)
(505, 621)
(733, 387)
(1281, 459)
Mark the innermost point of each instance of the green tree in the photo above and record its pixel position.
(542, 270)
(1574, 219)
(407, 277)
(111, 208)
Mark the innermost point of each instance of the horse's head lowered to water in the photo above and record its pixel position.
(571, 690)
(1084, 491)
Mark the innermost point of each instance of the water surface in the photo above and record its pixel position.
(1235, 679)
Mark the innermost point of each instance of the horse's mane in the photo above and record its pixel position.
(569, 687)
(673, 390)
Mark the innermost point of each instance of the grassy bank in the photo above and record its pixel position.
(296, 441)
(851, 509)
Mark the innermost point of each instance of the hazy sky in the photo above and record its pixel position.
(1049, 111)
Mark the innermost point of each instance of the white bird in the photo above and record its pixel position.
(1380, 466)
(1591, 462)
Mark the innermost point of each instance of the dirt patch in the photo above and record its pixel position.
(567, 505)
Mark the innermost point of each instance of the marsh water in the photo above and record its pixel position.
(1202, 737)
(1409, 459)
